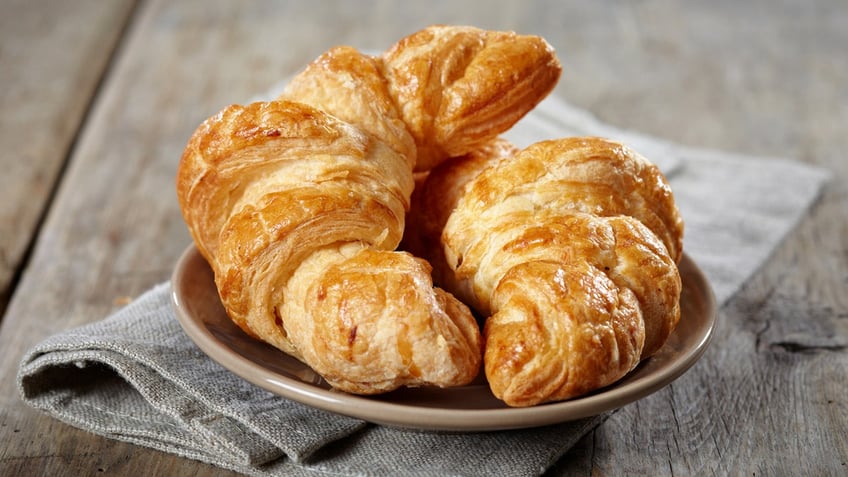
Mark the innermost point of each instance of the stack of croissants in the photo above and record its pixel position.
(372, 222)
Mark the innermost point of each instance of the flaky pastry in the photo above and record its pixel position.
(298, 204)
(568, 249)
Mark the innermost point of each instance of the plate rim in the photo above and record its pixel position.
(410, 416)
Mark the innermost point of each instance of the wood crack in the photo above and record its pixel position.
(796, 347)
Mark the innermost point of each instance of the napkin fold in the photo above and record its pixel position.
(135, 376)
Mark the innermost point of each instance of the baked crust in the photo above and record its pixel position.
(568, 249)
(299, 203)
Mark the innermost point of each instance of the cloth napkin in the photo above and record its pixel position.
(135, 376)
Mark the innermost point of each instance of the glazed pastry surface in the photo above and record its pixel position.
(299, 203)
(569, 251)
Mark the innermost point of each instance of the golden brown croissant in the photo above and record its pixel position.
(299, 203)
(453, 88)
(570, 250)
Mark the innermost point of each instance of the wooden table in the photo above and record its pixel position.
(99, 98)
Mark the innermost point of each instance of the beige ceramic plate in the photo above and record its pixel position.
(466, 408)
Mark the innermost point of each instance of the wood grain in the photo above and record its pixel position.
(53, 55)
(761, 77)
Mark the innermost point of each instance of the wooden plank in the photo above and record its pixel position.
(53, 54)
(769, 396)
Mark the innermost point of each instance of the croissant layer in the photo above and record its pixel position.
(299, 203)
(569, 251)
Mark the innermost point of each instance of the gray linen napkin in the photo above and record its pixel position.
(136, 376)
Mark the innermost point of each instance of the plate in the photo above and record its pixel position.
(465, 408)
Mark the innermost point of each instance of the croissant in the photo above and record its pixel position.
(568, 249)
(452, 88)
(299, 203)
